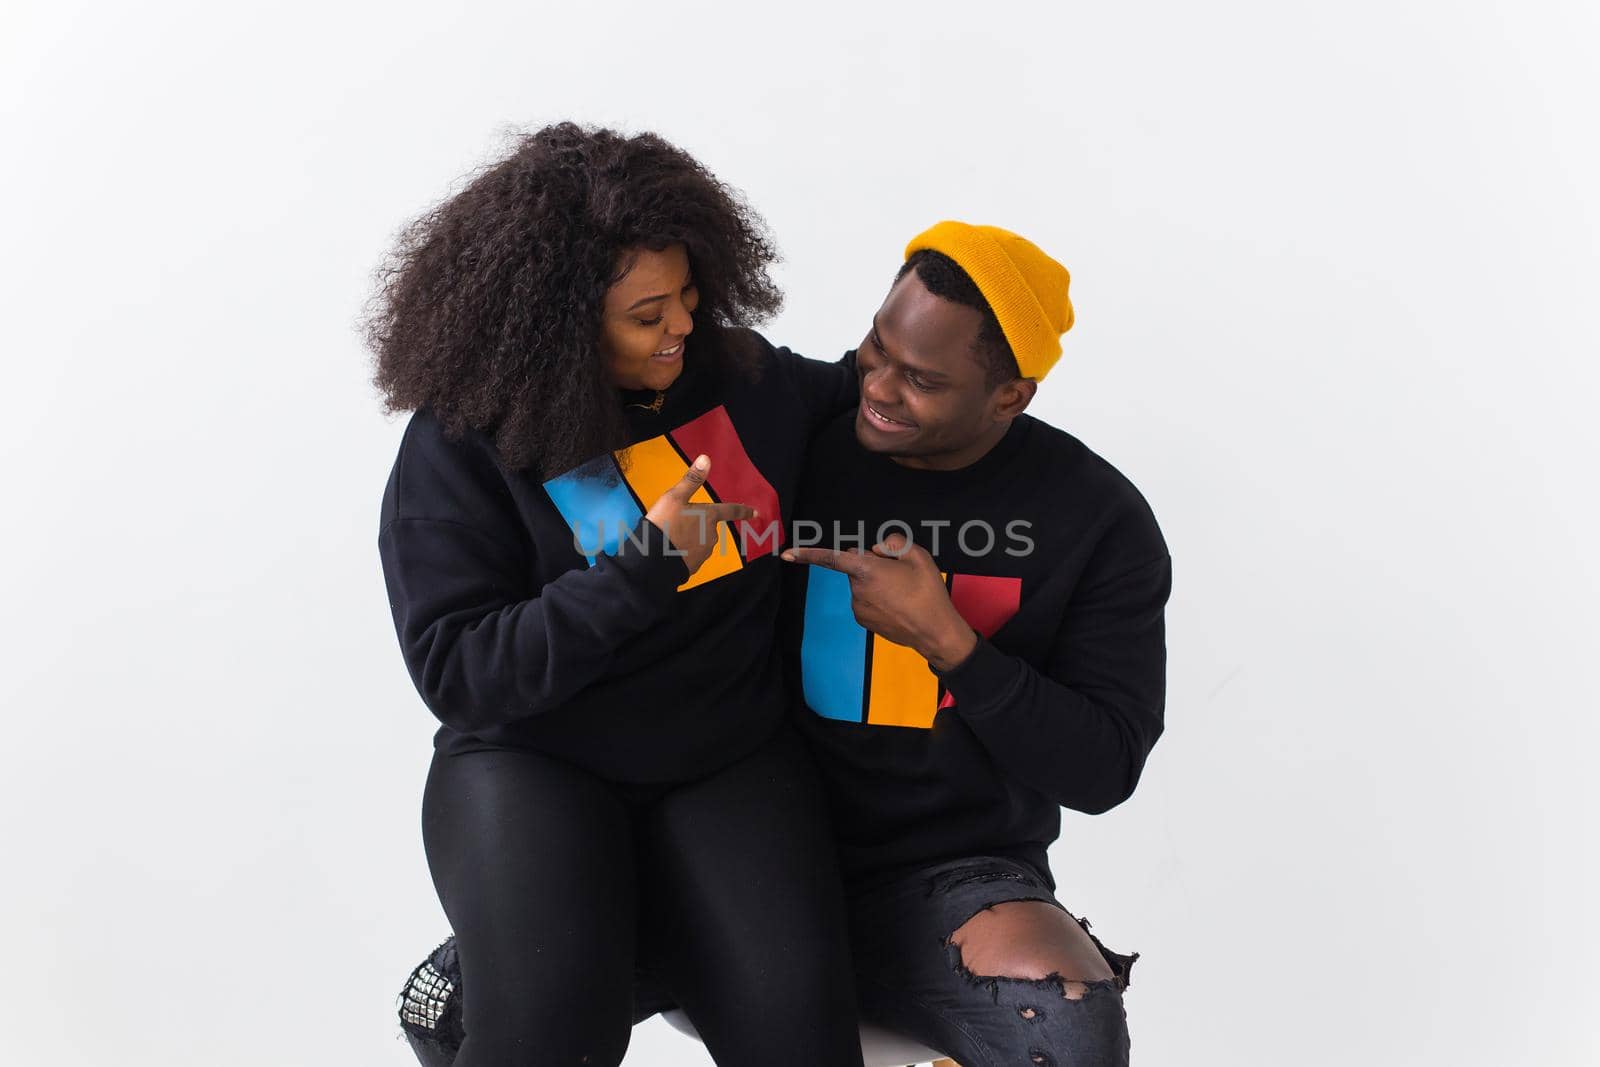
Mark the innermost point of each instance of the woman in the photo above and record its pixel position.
(614, 781)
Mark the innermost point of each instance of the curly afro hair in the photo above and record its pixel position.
(487, 310)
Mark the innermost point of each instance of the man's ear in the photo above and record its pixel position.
(1013, 398)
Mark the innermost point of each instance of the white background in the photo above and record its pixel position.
(1335, 273)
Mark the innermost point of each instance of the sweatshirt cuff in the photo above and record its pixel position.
(649, 557)
(984, 682)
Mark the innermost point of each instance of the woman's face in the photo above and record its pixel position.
(646, 317)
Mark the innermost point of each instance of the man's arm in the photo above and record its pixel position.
(1080, 730)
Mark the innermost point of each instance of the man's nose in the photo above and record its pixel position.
(876, 386)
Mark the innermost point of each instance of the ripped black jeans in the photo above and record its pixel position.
(910, 978)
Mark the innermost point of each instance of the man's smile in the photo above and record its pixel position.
(882, 421)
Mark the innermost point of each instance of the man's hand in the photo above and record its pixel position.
(692, 528)
(896, 591)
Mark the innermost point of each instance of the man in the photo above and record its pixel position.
(978, 620)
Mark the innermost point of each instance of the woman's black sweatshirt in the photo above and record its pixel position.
(549, 615)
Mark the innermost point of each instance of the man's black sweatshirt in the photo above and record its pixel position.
(1056, 560)
(550, 615)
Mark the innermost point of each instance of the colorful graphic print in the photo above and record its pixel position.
(601, 502)
(854, 675)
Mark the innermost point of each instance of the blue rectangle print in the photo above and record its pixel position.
(597, 505)
(833, 650)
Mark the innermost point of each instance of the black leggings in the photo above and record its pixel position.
(559, 885)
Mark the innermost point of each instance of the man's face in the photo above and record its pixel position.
(924, 399)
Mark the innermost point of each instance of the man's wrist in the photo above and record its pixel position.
(953, 647)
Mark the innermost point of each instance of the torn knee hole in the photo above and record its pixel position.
(1071, 988)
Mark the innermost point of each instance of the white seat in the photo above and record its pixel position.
(879, 1047)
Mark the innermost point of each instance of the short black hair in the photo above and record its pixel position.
(945, 279)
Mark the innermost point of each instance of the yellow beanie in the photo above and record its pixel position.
(1026, 288)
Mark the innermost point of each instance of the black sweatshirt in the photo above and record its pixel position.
(522, 628)
(1064, 695)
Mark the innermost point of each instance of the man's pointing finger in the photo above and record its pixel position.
(853, 562)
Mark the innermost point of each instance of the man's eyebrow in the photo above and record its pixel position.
(923, 372)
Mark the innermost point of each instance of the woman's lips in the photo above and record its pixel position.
(879, 421)
(671, 355)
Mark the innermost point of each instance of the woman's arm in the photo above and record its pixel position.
(481, 652)
(484, 642)
(824, 389)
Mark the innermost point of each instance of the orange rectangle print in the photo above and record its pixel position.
(654, 467)
(724, 559)
(904, 690)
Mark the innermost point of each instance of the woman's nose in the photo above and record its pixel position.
(679, 322)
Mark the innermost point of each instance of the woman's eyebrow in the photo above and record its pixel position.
(640, 303)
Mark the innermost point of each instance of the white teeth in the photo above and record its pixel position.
(881, 417)
(671, 351)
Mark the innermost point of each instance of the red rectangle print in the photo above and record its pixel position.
(987, 603)
(734, 478)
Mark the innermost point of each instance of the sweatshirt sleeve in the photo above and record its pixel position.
(824, 389)
(1080, 730)
(480, 651)
(484, 644)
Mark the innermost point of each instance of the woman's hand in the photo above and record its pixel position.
(693, 528)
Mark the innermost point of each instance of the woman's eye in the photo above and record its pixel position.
(649, 322)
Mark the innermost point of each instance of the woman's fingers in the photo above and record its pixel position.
(693, 528)
(690, 483)
(723, 512)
